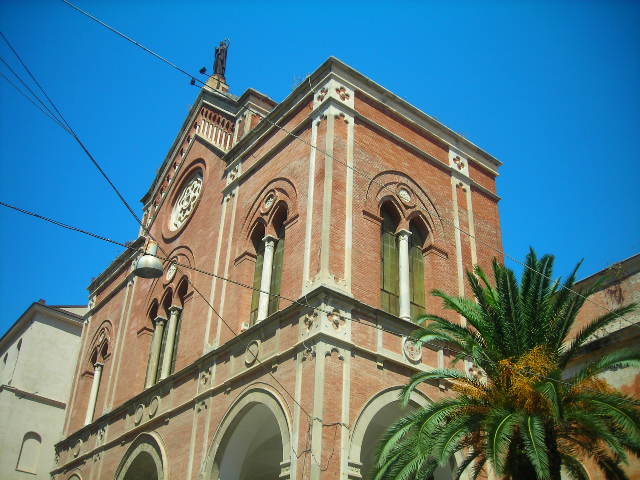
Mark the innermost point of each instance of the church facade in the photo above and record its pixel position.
(298, 242)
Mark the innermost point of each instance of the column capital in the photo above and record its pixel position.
(159, 319)
(175, 309)
(269, 239)
(403, 232)
(98, 365)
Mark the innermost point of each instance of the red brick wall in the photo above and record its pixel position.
(287, 168)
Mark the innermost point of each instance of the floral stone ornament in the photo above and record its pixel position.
(186, 203)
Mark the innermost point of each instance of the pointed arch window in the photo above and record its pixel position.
(267, 278)
(389, 258)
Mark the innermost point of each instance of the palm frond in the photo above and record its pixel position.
(533, 436)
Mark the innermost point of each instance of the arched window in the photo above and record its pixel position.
(29, 453)
(416, 268)
(269, 251)
(258, 244)
(389, 280)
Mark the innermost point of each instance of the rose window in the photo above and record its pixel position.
(186, 202)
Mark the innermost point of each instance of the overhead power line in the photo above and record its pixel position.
(69, 130)
(305, 305)
(201, 84)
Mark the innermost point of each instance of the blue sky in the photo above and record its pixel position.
(550, 88)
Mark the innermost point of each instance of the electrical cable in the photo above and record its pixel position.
(72, 132)
(204, 272)
(205, 86)
(282, 128)
(45, 112)
(124, 201)
(33, 94)
(436, 346)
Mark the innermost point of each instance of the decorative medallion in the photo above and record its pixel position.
(201, 406)
(404, 195)
(153, 406)
(171, 271)
(342, 93)
(252, 352)
(412, 350)
(269, 200)
(323, 93)
(310, 319)
(137, 416)
(186, 203)
(459, 162)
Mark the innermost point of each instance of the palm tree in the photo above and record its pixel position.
(524, 414)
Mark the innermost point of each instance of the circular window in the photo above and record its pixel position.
(186, 202)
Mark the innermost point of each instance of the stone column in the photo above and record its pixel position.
(174, 311)
(265, 281)
(93, 396)
(154, 357)
(403, 266)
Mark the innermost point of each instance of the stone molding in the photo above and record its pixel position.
(256, 394)
(151, 444)
(323, 332)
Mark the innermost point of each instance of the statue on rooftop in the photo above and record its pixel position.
(220, 64)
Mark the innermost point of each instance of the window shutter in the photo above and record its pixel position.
(257, 277)
(146, 378)
(276, 276)
(416, 272)
(390, 281)
(176, 340)
(161, 359)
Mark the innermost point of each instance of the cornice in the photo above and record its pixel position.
(388, 100)
(209, 97)
(403, 327)
(616, 272)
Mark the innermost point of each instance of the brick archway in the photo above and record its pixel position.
(263, 414)
(144, 459)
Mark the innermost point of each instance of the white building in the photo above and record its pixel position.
(37, 359)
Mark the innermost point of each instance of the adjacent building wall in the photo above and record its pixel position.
(35, 379)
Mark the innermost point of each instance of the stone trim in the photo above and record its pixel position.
(150, 444)
(378, 316)
(256, 394)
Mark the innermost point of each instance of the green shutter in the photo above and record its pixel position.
(146, 378)
(257, 277)
(390, 283)
(162, 345)
(276, 275)
(416, 273)
(176, 339)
